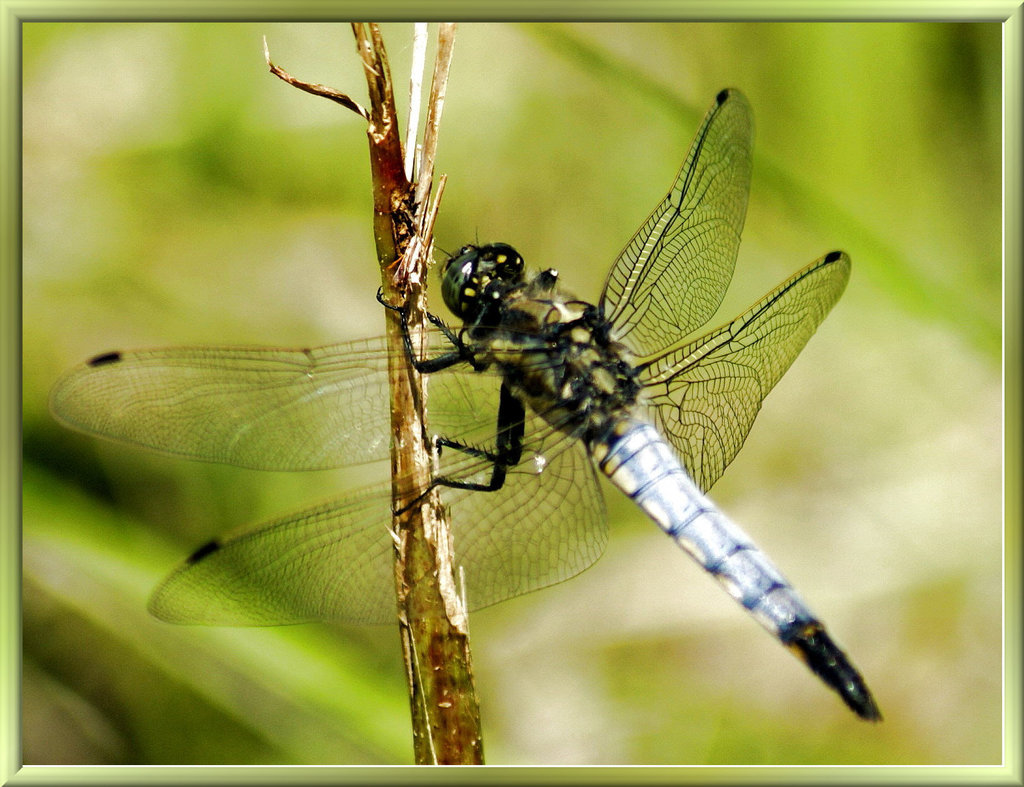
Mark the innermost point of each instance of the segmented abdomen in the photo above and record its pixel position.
(640, 463)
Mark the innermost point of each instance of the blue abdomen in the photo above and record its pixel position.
(638, 461)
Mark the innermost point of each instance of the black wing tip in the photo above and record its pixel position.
(832, 256)
(204, 551)
(815, 647)
(103, 359)
(727, 93)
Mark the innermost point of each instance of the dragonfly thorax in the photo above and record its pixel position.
(556, 355)
(477, 276)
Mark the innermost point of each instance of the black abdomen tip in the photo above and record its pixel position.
(105, 358)
(812, 644)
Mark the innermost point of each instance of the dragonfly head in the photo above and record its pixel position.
(475, 275)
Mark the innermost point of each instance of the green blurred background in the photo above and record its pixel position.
(175, 193)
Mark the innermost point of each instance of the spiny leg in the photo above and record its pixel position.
(508, 446)
(508, 449)
(460, 354)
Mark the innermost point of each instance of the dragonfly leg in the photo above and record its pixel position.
(460, 354)
(508, 446)
(507, 452)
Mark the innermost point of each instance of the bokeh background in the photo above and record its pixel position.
(177, 193)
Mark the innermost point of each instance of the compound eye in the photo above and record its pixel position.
(508, 264)
(460, 280)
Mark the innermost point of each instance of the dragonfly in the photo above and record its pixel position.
(531, 398)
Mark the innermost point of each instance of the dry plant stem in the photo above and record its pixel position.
(438, 91)
(432, 619)
(312, 87)
(419, 54)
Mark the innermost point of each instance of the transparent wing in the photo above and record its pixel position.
(267, 409)
(545, 525)
(672, 275)
(706, 394)
(332, 558)
(260, 408)
(334, 561)
(309, 409)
